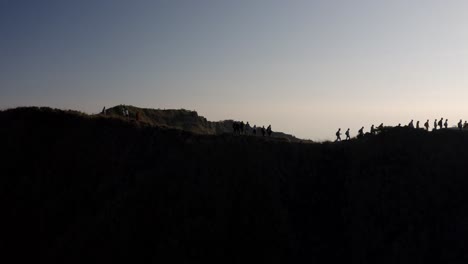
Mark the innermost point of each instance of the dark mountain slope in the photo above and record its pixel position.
(78, 189)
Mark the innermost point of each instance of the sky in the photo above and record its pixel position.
(305, 67)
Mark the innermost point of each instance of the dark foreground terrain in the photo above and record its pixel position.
(80, 189)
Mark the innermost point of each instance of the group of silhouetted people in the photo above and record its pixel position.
(438, 124)
(441, 124)
(338, 135)
(241, 128)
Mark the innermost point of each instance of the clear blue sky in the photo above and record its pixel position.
(306, 67)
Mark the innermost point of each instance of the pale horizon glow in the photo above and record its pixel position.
(305, 67)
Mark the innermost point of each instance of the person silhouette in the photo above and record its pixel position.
(338, 135)
(347, 135)
(380, 127)
(254, 130)
(247, 128)
(426, 125)
(440, 122)
(104, 111)
(465, 125)
(372, 130)
(446, 123)
(234, 127)
(460, 125)
(417, 124)
(263, 131)
(435, 124)
(361, 132)
(410, 125)
(269, 130)
(399, 125)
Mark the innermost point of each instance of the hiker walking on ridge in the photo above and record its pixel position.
(361, 132)
(347, 135)
(380, 127)
(338, 135)
(104, 111)
(440, 122)
(410, 125)
(426, 125)
(446, 123)
(435, 125)
(417, 124)
(372, 130)
(460, 125)
(263, 130)
(269, 130)
(465, 125)
(247, 128)
(254, 130)
(236, 127)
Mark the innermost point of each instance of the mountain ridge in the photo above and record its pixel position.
(78, 188)
(187, 120)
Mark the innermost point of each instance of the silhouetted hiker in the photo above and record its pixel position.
(417, 124)
(440, 122)
(410, 125)
(372, 130)
(380, 127)
(247, 128)
(465, 125)
(347, 135)
(338, 135)
(242, 126)
(435, 125)
(426, 125)
(104, 111)
(269, 130)
(460, 125)
(361, 132)
(263, 131)
(236, 127)
(123, 112)
(399, 125)
(254, 130)
(446, 123)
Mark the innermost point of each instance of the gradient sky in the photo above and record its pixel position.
(305, 67)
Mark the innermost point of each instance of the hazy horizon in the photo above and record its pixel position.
(305, 67)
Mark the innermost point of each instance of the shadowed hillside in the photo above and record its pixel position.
(186, 120)
(82, 189)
